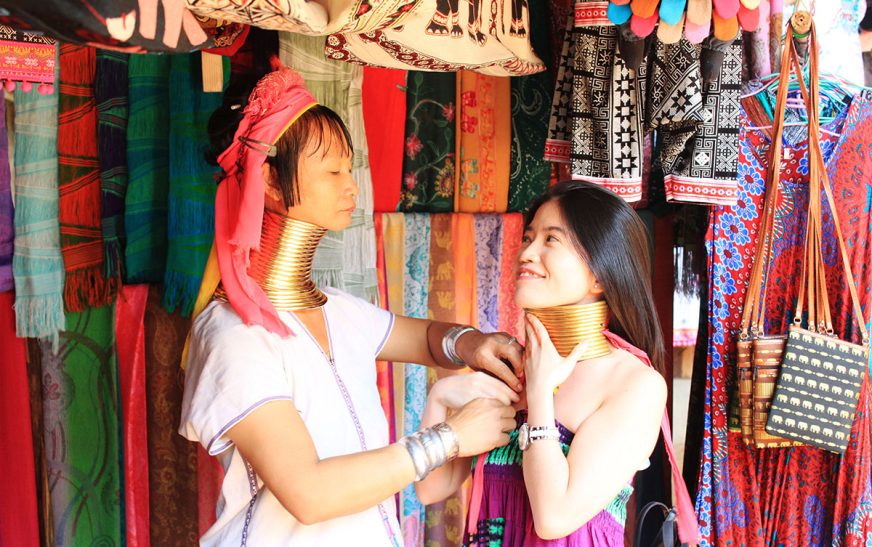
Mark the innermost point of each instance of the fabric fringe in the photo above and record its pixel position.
(88, 288)
(40, 317)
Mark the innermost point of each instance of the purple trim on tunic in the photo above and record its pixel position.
(214, 451)
(381, 345)
(252, 488)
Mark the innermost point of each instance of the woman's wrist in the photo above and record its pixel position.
(540, 406)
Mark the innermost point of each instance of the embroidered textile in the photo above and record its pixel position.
(110, 92)
(27, 58)
(148, 157)
(796, 496)
(483, 143)
(37, 265)
(430, 147)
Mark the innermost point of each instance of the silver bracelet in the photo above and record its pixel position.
(449, 343)
(436, 455)
(418, 454)
(448, 439)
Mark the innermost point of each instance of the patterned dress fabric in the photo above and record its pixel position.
(430, 158)
(506, 518)
(794, 496)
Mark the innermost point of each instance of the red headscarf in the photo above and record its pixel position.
(278, 99)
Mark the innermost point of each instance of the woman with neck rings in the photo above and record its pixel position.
(280, 381)
(583, 278)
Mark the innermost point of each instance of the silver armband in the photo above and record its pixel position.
(431, 448)
(449, 343)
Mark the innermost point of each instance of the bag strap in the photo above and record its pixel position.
(816, 159)
(667, 533)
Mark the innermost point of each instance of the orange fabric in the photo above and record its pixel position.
(383, 369)
(644, 8)
(510, 315)
(725, 29)
(483, 143)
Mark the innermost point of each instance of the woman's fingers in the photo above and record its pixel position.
(497, 389)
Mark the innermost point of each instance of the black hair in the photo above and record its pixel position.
(319, 125)
(611, 238)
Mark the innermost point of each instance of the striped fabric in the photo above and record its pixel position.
(7, 217)
(110, 92)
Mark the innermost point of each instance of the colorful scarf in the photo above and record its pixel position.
(38, 266)
(483, 143)
(531, 101)
(510, 315)
(384, 114)
(394, 235)
(191, 201)
(79, 183)
(27, 58)
(18, 508)
(145, 204)
(7, 213)
(429, 160)
(416, 275)
(80, 413)
(130, 336)
(488, 253)
(172, 461)
(110, 92)
(444, 526)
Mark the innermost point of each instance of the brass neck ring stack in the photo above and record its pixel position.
(567, 326)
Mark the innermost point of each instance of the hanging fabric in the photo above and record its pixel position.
(510, 315)
(172, 461)
(492, 40)
(384, 115)
(18, 507)
(37, 265)
(80, 413)
(756, 60)
(346, 259)
(7, 213)
(145, 202)
(415, 297)
(126, 25)
(384, 369)
(27, 59)
(530, 107)
(130, 336)
(483, 143)
(429, 162)
(79, 183)
(110, 92)
(191, 197)
(488, 254)
(557, 142)
(394, 235)
(747, 494)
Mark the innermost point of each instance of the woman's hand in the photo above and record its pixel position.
(455, 391)
(486, 352)
(545, 368)
(482, 425)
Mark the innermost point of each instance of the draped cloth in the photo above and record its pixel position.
(110, 92)
(384, 116)
(27, 58)
(483, 143)
(488, 239)
(81, 414)
(191, 196)
(79, 183)
(7, 214)
(416, 274)
(802, 495)
(384, 369)
(130, 336)
(510, 316)
(38, 265)
(145, 202)
(429, 150)
(346, 259)
(172, 461)
(18, 506)
(530, 103)
(394, 236)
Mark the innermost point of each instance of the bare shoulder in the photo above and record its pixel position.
(639, 385)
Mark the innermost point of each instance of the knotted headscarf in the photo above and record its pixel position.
(276, 102)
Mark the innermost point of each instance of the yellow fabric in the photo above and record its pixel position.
(394, 233)
(211, 278)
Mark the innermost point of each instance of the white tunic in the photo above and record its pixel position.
(232, 369)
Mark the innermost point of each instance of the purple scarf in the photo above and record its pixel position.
(7, 228)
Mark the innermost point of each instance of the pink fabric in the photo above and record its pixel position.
(277, 100)
(688, 527)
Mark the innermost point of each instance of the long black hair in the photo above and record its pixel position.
(611, 238)
(318, 124)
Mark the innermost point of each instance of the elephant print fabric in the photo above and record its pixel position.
(487, 36)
